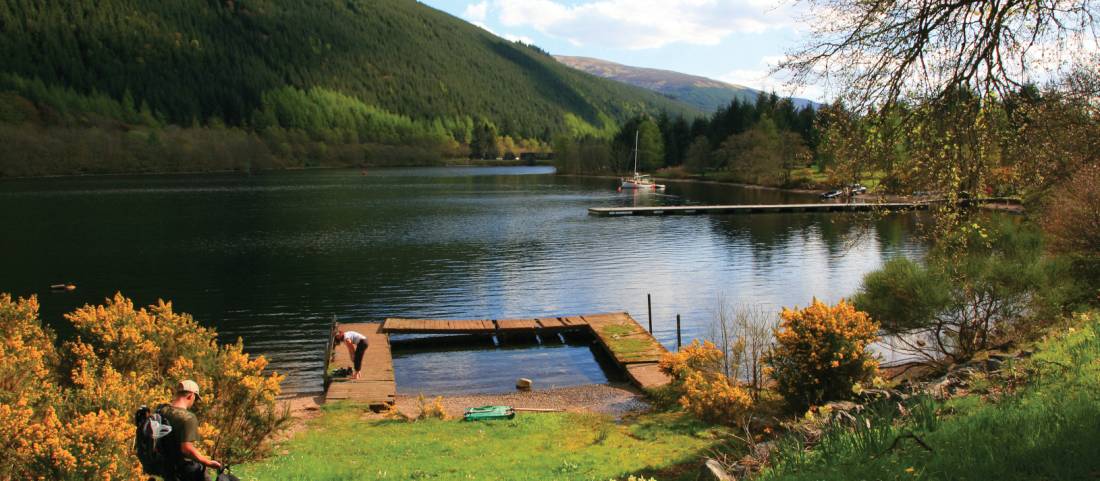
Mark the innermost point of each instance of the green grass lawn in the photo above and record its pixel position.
(341, 445)
(1048, 430)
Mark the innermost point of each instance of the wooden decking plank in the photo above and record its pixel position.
(427, 326)
(518, 325)
(551, 323)
(619, 317)
(574, 321)
(647, 376)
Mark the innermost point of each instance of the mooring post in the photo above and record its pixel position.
(678, 340)
(328, 351)
(649, 302)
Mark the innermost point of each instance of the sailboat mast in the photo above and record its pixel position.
(635, 153)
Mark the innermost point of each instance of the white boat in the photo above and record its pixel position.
(639, 181)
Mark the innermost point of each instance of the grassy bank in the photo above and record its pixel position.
(1036, 420)
(343, 444)
(1033, 418)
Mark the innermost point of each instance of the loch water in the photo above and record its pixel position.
(273, 258)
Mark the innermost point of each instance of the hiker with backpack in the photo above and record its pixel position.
(357, 347)
(166, 438)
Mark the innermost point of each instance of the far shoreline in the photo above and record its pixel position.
(441, 163)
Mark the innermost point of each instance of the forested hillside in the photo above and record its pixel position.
(764, 142)
(289, 73)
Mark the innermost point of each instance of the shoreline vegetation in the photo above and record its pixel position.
(448, 162)
(923, 434)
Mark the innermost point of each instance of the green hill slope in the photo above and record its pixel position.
(249, 63)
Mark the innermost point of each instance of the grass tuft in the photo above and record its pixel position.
(342, 445)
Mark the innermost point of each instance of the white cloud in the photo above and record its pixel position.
(761, 78)
(476, 12)
(507, 36)
(642, 24)
(518, 38)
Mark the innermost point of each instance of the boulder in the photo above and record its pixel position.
(713, 470)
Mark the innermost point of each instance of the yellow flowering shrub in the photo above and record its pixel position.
(703, 387)
(694, 357)
(821, 352)
(28, 389)
(430, 410)
(69, 417)
(27, 353)
(124, 357)
(713, 397)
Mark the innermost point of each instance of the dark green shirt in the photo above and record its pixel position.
(185, 426)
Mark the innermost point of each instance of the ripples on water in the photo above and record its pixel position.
(273, 258)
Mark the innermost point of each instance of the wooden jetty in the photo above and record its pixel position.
(755, 209)
(375, 386)
(633, 349)
(790, 208)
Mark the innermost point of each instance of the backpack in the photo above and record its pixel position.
(224, 474)
(151, 427)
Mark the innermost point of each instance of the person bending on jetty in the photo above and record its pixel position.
(185, 462)
(357, 346)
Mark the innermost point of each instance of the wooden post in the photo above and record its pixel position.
(649, 302)
(678, 340)
(328, 351)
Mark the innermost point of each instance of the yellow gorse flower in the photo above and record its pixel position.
(120, 358)
(820, 352)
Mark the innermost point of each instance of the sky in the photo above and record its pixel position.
(735, 41)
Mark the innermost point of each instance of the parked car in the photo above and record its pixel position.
(857, 189)
(832, 194)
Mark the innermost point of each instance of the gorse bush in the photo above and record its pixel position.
(50, 433)
(711, 396)
(70, 414)
(821, 353)
(694, 357)
(698, 377)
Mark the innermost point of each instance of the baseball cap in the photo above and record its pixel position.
(188, 386)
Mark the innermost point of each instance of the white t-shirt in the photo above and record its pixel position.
(354, 337)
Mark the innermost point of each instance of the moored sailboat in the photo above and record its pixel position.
(639, 181)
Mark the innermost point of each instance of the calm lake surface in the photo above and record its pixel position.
(272, 258)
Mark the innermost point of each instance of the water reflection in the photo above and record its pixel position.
(273, 258)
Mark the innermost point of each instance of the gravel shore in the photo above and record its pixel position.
(611, 399)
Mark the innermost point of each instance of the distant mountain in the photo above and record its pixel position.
(706, 94)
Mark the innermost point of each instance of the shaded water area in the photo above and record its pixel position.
(272, 258)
